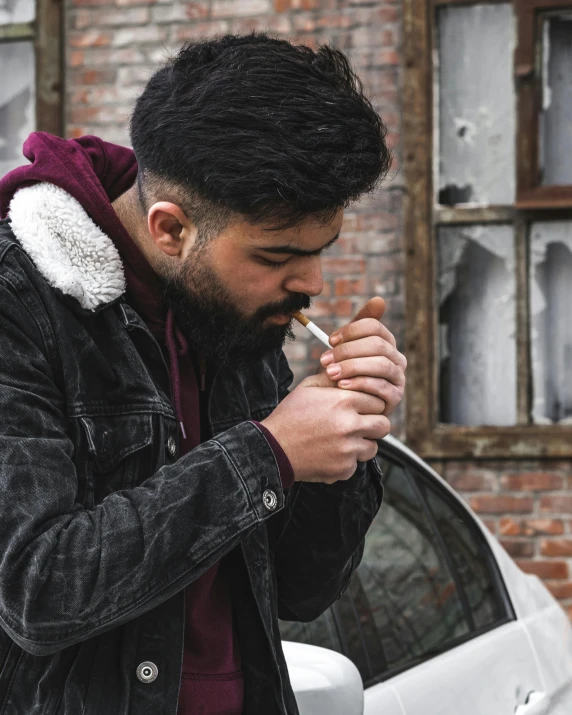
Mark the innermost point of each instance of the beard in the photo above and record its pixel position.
(207, 316)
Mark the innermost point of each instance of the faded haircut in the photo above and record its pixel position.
(257, 127)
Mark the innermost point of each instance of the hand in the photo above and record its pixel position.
(365, 357)
(325, 431)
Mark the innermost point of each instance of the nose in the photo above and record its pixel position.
(307, 278)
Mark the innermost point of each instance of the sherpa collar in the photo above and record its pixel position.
(67, 247)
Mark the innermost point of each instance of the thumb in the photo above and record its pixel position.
(374, 308)
(321, 379)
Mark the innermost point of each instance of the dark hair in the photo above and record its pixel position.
(259, 127)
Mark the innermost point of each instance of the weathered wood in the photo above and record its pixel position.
(49, 67)
(18, 31)
(474, 214)
(523, 358)
(420, 295)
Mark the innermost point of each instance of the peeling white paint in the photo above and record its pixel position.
(551, 322)
(476, 115)
(477, 324)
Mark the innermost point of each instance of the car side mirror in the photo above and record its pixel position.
(324, 682)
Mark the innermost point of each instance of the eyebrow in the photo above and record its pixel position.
(298, 251)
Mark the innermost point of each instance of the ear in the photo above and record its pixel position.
(171, 230)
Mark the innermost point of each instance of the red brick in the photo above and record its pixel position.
(76, 58)
(532, 481)
(91, 38)
(103, 76)
(518, 548)
(509, 527)
(559, 589)
(531, 527)
(556, 547)
(238, 8)
(500, 503)
(473, 480)
(545, 569)
(344, 308)
(198, 30)
(349, 265)
(557, 504)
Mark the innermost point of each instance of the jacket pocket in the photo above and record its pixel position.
(120, 452)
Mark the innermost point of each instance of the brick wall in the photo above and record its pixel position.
(112, 48)
(528, 507)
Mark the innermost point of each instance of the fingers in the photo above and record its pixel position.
(364, 328)
(364, 347)
(374, 427)
(378, 387)
(377, 367)
(374, 308)
(365, 404)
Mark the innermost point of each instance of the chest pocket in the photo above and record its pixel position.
(120, 452)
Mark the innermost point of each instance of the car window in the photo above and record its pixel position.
(468, 552)
(411, 594)
(322, 631)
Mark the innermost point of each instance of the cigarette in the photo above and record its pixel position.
(307, 323)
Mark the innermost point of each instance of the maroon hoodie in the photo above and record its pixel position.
(96, 173)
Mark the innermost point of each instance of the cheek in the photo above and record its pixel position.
(255, 286)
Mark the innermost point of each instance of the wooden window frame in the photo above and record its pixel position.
(46, 32)
(425, 434)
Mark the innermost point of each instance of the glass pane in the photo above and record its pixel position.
(477, 325)
(476, 104)
(556, 117)
(411, 595)
(321, 632)
(551, 324)
(13, 11)
(17, 102)
(468, 558)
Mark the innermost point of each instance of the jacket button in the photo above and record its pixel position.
(147, 672)
(269, 499)
(171, 446)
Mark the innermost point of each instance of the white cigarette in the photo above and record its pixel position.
(307, 323)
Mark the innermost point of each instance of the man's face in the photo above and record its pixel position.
(235, 295)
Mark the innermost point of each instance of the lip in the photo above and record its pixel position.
(281, 319)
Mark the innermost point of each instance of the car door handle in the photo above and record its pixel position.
(536, 704)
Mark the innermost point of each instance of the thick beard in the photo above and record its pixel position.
(207, 317)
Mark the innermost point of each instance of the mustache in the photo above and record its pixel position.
(291, 304)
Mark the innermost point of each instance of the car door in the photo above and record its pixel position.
(435, 617)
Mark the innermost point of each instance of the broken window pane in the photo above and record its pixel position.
(14, 11)
(477, 325)
(556, 115)
(17, 102)
(476, 104)
(551, 325)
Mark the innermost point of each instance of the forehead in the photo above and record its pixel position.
(309, 235)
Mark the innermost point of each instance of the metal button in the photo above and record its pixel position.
(171, 446)
(269, 499)
(147, 672)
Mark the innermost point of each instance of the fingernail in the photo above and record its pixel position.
(327, 358)
(344, 383)
(335, 339)
(334, 370)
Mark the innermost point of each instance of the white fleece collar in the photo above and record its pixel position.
(69, 250)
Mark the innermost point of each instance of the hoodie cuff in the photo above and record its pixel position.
(284, 466)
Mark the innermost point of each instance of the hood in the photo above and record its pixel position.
(60, 209)
(91, 170)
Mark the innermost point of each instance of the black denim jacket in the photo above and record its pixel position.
(102, 526)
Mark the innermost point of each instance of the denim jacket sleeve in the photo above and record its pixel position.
(68, 573)
(319, 536)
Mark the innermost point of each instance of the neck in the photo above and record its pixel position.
(129, 212)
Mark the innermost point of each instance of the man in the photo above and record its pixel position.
(163, 497)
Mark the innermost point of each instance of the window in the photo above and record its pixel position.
(427, 582)
(488, 100)
(31, 87)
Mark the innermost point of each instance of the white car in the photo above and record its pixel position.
(437, 620)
